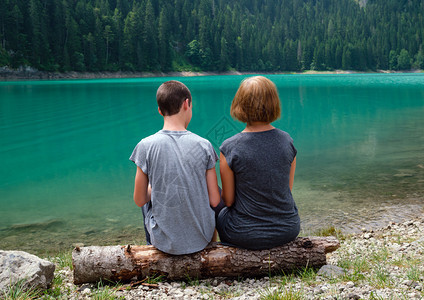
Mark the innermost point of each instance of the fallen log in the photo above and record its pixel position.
(125, 263)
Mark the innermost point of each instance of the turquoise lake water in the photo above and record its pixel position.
(64, 148)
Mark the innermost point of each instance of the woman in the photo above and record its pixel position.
(257, 169)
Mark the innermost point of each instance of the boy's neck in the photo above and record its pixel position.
(174, 123)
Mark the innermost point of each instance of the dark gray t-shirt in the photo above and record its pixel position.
(264, 214)
(180, 220)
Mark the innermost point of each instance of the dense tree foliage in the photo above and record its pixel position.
(211, 35)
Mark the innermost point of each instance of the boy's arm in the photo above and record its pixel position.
(292, 170)
(227, 179)
(142, 189)
(213, 190)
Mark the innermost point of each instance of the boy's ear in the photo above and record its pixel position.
(185, 104)
(160, 112)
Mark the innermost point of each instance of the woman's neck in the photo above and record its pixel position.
(258, 127)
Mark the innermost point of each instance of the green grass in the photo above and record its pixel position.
(62, 260)
(400, 262)
(402, 296)
(281, 293)
(380, 278)
(155, 278)
(413, 273)
(105, 294)
(56, 289)
(307, 274)
(356, 267)
(283, 279)
(380, 255)
(106, 291)
(19, 291)
(228, 294)
(191, 281)
(330, 231)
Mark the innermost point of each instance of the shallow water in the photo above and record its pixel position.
(66, 177)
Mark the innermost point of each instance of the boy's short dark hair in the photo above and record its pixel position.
(256, 100)
(170, 97)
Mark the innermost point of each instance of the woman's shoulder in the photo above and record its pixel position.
(283, 134)
(231, 141)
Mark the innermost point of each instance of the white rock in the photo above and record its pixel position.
(189, 291)
(21, 266)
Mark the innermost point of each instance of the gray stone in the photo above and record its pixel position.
(26, 269)
(331, 271)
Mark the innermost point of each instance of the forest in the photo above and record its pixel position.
(211, 35)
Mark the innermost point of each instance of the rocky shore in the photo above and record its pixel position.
(29, 73)
(387, 263)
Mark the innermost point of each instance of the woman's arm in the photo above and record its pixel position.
(213, 189)
(292, 170)
(142, 189)
(227, 179)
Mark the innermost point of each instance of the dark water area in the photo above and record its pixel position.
(64, 149)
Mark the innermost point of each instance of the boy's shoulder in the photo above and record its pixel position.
(151, 139)
(197, 137)
(163, 136)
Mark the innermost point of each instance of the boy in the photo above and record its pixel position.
(176, 183)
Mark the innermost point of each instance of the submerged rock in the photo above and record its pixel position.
(27, 270)
(42, 224)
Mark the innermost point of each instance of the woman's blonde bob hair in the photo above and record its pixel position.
(256, 100)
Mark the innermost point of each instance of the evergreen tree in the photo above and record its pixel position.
(149, 40)
(39, 42)
(419, 60)
(404, 60)
(165, 57)
(393, 60)
(248, 35)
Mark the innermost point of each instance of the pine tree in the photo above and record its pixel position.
(149, 39)
(404, 60)
(164, 41)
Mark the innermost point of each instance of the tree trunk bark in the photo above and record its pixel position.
(124, 263)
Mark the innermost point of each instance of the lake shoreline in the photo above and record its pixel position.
(28, 73)
(385, 263)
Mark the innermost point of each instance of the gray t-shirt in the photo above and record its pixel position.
(264, 214)
(180, 220)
